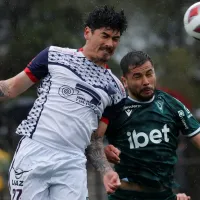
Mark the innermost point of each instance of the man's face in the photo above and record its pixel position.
(102, 43)
(140, 82)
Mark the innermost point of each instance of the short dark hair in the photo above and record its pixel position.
(134, 58)
(106, 16)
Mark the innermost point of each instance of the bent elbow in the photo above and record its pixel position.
(12, 95)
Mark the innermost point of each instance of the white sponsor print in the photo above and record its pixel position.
(129, 109)
(182, 115)
(159, 104)
(155, 136)
(128, 112)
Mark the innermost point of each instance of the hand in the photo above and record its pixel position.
(183, 196)
(112, 154)
(111, 181)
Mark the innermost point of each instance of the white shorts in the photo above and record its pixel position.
(38, 172)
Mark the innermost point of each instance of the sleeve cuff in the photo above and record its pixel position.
(105, 120)
(30, 75)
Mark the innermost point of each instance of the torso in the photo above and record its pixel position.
(71, 99)
(147, 135)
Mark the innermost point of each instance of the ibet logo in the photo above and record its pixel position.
(155, 136)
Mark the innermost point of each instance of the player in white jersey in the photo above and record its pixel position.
(75, 88)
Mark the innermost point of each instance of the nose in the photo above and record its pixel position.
(145, 81)
(109, 43)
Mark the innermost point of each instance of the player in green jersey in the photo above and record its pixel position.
(145, 128)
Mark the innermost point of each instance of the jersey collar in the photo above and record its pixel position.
(81, 50)
(142, 102)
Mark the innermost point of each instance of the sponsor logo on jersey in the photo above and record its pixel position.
(186, 109)
(159, 104)
(141, 139)
(188, 112)
(19, 173)
(81, 95)
(181, 114)
(17, 183)
(128, 109)
(18, 176)
(128, 112)
(131, 107)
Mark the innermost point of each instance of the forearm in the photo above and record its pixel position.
(4, 90)
(13, 87)
(95, 154)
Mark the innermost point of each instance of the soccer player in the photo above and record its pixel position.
(145, 129)
(75, 88)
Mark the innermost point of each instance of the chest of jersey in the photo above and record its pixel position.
(78, 80)
(141, 125)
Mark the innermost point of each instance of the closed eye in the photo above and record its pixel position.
(136, 76)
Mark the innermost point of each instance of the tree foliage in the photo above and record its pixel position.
(155, 26)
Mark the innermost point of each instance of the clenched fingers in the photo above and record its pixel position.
(183, 196)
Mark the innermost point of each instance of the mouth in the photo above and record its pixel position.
(107, 51)
(147, 91)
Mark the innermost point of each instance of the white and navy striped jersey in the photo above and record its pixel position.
(72, 96)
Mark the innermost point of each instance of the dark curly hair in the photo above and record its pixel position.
(135, 59)
(106, 16)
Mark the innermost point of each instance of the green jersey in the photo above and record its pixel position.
(147, 135)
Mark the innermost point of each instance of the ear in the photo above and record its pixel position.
(124, 81)
(87, 33)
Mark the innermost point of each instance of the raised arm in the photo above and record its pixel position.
(13, 87)
(96, 155)
(36, 70)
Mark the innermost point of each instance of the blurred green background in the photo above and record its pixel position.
(156, 26)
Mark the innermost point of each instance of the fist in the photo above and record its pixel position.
(112, 154)
(111, 181)
(182, 196)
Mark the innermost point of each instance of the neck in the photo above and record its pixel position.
(88, 53)
(132, 96)
(139, 100)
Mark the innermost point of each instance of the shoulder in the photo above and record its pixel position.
(121, 105)
(61, 49)
(64, 50)
(118, 83)
(171, 102)
(112, 112)
(164, 95)
(160, 93)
